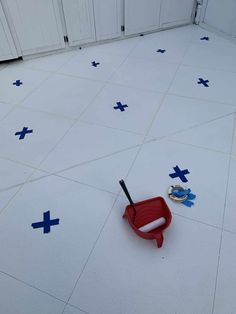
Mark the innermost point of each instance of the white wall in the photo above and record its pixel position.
(221, 14)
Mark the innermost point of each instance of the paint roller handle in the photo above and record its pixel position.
(124, 188)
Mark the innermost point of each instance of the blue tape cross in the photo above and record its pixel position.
(18, 83)
(120, 106)
(203, 82)
(161, 50)
(23, 133)
(189, 201)
(95, 64)
(46, 223)
(179, 173)
(205, 38)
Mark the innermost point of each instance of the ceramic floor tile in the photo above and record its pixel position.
(220, 84)
(159, 50)
(225, 299)
(81, 64)
(104, 173)
(4, 110)
(127, 274)
(141, 104)
(12, 175)
(19, 298)
(47, 130)
(50, 62)
(52, 262)
(64, 95)
(216, 135)
(221, 57)
(72, 310)
(145, 74)
(156, 161)
(13, 94)
(230, 211)
(76, 148)
(179, 113)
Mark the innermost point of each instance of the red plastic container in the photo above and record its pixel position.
(146, 212)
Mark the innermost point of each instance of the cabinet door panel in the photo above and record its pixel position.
(141, 15)
(107, 18)
(79, 21)
(7, 47)
(37, 25)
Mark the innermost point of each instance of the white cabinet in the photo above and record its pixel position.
(107, 18)
(79, 21)
(175, 12)
(7, 47)
(142, 16)
(37, 24)
(222, 16)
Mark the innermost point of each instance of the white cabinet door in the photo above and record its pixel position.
(37, 24)
(141, 15)
(79, 21)
(176, 12)
(107, 18)
(222, 16)
(7, 47)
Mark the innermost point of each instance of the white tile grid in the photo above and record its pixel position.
(187, 95)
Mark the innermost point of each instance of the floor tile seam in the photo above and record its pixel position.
(229, 231)
(57, 173)
(31, 286)
(110, 127)
(18, 188)
(208, 68)
(223, 220)
(197, 146)
(93, 248)
(193, 126)
(75, 307)
(201, 222)
(203, 99)
(47, 112)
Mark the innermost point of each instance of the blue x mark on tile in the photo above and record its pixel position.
(23, 133)
(95, 64)
(203, 82)
(205, 38)
(17, 83)
(161, 50)
(46, 223)
(179, 173)
(120, 106)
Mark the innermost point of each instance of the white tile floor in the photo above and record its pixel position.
(92, 262)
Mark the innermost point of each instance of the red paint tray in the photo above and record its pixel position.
(142, 213)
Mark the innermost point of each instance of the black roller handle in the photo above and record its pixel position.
(124, 188)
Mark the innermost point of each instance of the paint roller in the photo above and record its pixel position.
(150, 226)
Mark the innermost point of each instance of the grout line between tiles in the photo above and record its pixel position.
(222, 226)
(31, 286)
